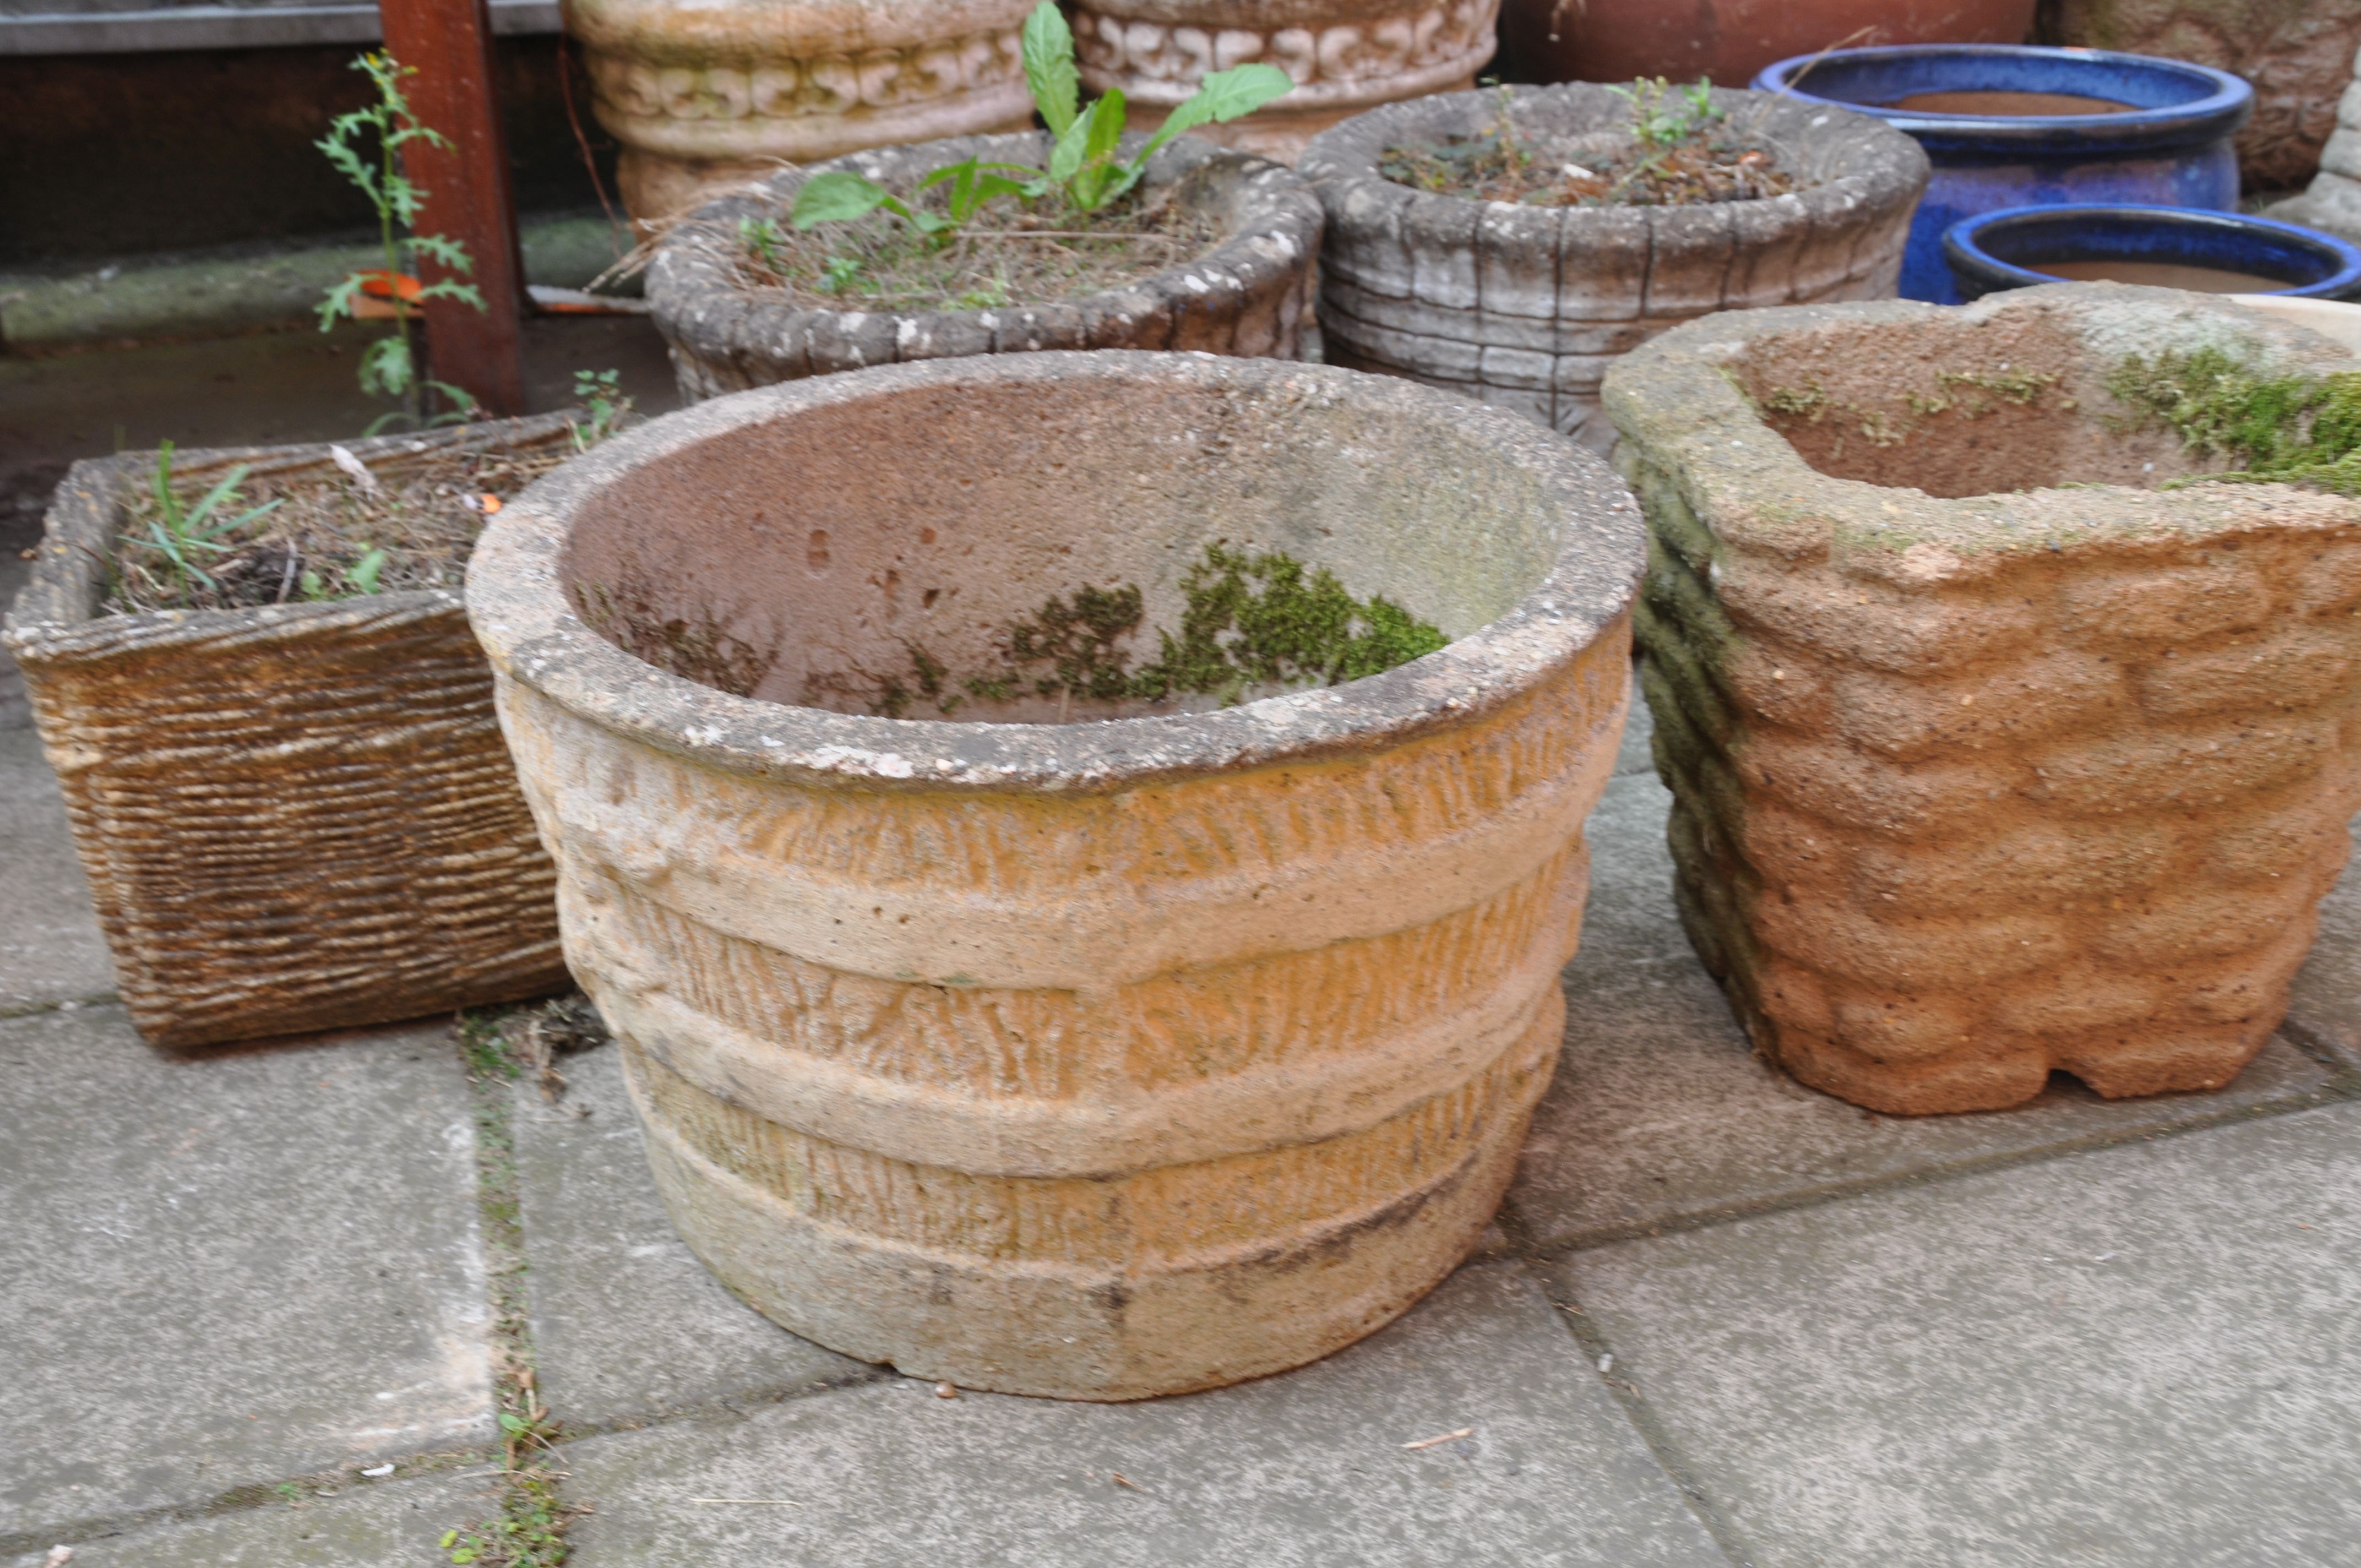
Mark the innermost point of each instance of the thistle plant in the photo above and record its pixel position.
(389, 367)
(1086, 172)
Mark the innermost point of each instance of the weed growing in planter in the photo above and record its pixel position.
(389, 367)
(1681, 149)
(178, 531)
(2294, 430)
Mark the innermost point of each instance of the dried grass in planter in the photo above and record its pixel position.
(294, 815)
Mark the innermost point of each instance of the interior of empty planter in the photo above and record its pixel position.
(1056, 549)
(1954, 404)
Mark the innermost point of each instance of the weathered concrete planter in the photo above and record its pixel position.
(1975, 778)
(1093, 1060)
(706, 95)
(1346, 56)
(1525, 307)
(293, 818)
(1250, 295)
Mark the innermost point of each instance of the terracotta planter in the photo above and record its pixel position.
(1728, 40)
(1097, 1059)
(293, 818)
(708, 94)
(1345, 55)
(2299, 57)
(1526, 307)
(1976, 778)
(1250, 295)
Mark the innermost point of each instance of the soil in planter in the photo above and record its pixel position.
(1671, 156)
(1008, 253)
(2161, 275)
(1993, 105)
(329, 535)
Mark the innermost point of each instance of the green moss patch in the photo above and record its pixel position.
(2293, 429)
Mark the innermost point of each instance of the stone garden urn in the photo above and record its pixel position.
(1345, 55)
(1250, 293)
(1525, 307)
(1110, 1047)
(1990, 756)
(706, 95)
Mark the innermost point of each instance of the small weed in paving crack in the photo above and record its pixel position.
(529, 1530)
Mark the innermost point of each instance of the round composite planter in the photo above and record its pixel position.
(2171, 148)
(708, 95)
(1251, 294)
(1977, 777)
(1525, 307)
(2299, 56)
(1102, 1056)
(2216, 253)
(1727, 40)
(1345, 56)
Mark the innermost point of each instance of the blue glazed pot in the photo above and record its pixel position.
(2170, 149)
(2011, 247)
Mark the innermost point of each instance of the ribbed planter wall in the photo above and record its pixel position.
(706, 95)
(293, 818)
(1976, 778)
(1345, 55)
(1121, 1053)
(1526, 307)
(1250, 293)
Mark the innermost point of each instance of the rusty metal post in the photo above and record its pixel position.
(468, 195)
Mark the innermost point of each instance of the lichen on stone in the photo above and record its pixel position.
(2281, 429)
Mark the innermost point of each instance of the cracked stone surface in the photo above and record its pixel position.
(1306, 1467)
(366, 1524)
(2145, 1356)
(51, 948)
(227, 1270)
(1660, 1113)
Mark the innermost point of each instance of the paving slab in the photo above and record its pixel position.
(1308, 1467)
(627, 1323)
(1636, 755)
(1661, 1114)
(366, 1524)
(2141, 1357)
(15, 714)
(2326, 1001)
(229, 1269)
(51, 947)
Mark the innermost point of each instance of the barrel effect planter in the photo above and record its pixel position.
(293, 818)
(1345, 56)
(1525, 307)
(709, 95)
(1251, 294)
(1122, 1055)
(1976, 777)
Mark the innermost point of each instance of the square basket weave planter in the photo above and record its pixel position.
(295, 816)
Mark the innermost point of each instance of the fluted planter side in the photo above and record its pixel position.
(1976, 777)
(1251, 294)
(1345, 56)
(1525, 307)
(708, 94)
(1100, 1059)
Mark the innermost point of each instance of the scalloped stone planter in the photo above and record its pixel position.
(1345, 58)
(1976, 778)
(1250, 295)
(1129, 1054)
(1526, 307)
(293, 818)
(709, 95)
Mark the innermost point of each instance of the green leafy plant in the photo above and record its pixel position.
(180, 532)
(1086, 171)
(1665, 117)
(601, 393)
(389, 367)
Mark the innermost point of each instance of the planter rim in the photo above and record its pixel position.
(688, 272)
(1768, 496)
(53, 619)
(1337, 163)
(1965, 243)
(2220, 103)
(517, 600)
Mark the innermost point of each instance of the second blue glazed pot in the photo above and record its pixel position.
(2172, 248)
(2169, 145)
